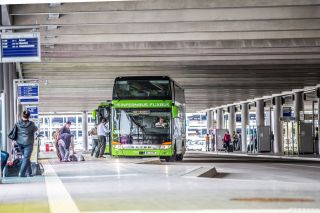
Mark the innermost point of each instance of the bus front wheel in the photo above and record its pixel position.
(179, 157)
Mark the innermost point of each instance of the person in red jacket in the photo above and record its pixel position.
(226, 140)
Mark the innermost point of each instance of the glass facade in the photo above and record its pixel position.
(49, 123)
(142, 126)
(140, 89)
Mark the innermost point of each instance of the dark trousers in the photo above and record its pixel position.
(101, 146)
(26, 163)
(207, 146)
(227, 146)
(95, 144)
(235, 145)
(58, 150)
(4, 159)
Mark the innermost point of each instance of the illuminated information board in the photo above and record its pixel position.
(20, 47)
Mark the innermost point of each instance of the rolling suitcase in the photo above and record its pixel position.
(4, 159)
(12, 169)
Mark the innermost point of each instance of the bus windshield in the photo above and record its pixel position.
(142, 126)
(142, 89)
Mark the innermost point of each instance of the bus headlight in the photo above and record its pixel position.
(165, 146)
(117, 146)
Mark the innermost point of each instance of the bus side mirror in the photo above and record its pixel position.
(175, 111)
(94, 114)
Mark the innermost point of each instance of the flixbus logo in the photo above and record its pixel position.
(142, 105)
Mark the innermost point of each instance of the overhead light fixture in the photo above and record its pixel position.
(55, 4)
(50, 36)
(52, 27)
(49, 46)
(52, 16)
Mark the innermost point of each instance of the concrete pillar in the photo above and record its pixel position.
(260, 113)
(85, 130)
(3, 138)
(219, 118)
(244, 123)
(209, 120)
(298, 105)
(318, 126)
(5, 67)
(12, 76)
(232, 119)
(1, 77)
(277, 126)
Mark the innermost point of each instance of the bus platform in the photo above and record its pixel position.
(134, 185)
(305, 157)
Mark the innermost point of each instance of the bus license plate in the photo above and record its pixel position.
(147, 153)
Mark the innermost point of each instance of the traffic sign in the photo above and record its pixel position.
(20, 47)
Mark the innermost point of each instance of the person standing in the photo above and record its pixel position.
(25, 139)
(235, 139)
(102, 132)
(213, 139)
(95, 141)
(226, 140)
(207, 139)
(55, 140)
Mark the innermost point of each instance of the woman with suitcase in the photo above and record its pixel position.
(24, 136)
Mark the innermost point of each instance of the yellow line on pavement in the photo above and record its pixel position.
(59, 199)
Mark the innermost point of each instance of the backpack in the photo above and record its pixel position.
(13, 134)
(226, 138)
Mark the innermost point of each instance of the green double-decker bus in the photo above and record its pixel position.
(146, 117)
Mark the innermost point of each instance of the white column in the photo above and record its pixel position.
(12, 75)
(244, 123)
(209, 120)
(260, 113)
(318, 125)
(277, 126)
(5, 69)
(3, 138)
(231, 119)
(85, 130)
(219, 118)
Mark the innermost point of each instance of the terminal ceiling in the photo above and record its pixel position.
(220, 51)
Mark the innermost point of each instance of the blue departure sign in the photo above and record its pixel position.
(34, 111)
(20, 47)
(28, 93)
(31, 90)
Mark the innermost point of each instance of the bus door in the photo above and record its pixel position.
(290, 137)
(105, 112)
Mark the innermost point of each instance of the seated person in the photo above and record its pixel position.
(161, 123)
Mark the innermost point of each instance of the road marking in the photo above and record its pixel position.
(59, 199)
(97, 176)
(220, 211)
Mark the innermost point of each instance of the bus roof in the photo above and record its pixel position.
(124, 78)
(143, 78)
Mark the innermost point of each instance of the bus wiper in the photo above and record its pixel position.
(137, 123)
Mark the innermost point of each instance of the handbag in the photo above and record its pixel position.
(13, 134)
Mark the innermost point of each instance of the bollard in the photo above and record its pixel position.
(47, 147)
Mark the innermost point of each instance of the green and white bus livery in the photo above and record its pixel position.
(147, 117)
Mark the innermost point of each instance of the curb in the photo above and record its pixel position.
(260, 156)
